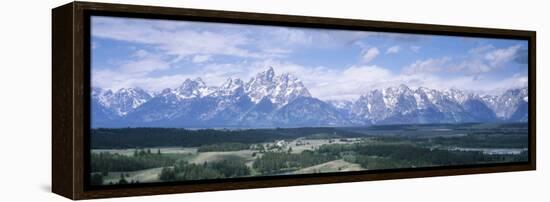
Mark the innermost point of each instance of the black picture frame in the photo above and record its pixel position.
(71, 99)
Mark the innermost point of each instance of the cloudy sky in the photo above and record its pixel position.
(333, 64)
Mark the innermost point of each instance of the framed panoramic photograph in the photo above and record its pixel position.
(154, 100)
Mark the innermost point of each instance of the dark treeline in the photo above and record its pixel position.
(427, 130)
(280, 162)
(220, 169)
(484, 141)
(455, 126)
(222, 147)
(407, 155)
(97, 179)
(118, 138)
(141, 159)
(158, 137)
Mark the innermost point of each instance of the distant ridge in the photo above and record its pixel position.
(270, 100)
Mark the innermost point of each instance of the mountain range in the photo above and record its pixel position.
(269, 100)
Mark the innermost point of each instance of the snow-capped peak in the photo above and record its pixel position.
(189, 84)
(123, 100)
(280, 90)
(199, 81)
(506, 104)
(268, 74)
(457, 95)
(392, 95)
(103, 96)
(192, 89)
(230, 87)
(128, 99)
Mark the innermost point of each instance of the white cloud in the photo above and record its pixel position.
(415, 49)
(167, 37)
(486, 58)
(125, 73)
(427, 66)
(141, 53)
(144, 66)
(292, 36)
(185, 39)
(201, 58)
(502, 56)
(370, 54)
(393, 50)
(480, 60)
(472, 67)
(115, 80)
(479, 50)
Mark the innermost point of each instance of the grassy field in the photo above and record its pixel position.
(331, 166)
(191, 155)
(328, 150)
(164, 150)
(147, 175)
(205, 157)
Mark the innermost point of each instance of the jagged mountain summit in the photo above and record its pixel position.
(396, 105)
(280, 90)
(270, 100)
(511, 105)
(121, 102)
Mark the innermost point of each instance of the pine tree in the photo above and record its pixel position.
(122, 179)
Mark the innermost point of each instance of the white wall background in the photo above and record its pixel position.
(25, 102)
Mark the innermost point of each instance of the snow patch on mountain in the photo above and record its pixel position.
(280, 90)
(123, 100)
